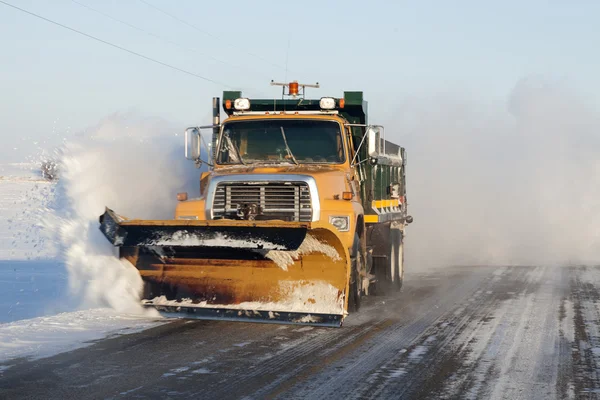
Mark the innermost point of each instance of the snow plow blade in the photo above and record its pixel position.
(258, 271)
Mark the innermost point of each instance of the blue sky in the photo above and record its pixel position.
(55, 82)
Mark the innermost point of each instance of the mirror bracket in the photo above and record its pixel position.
(371, 139)
(194, 143)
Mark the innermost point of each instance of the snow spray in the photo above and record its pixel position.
(515, 183)
(133, 165)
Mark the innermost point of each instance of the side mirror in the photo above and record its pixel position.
(193, 144)
(373, 141)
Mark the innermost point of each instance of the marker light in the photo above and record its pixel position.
(182, 196)
(241, 104)
(228, 104)
(327, 103)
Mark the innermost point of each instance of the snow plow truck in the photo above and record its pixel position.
(301, 212)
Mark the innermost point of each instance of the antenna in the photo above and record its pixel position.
(287, 54)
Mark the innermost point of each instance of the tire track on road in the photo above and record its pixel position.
(585, 355)
(431, 363)
(345, 377)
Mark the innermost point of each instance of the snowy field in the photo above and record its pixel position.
(39, 316)
(33, 282)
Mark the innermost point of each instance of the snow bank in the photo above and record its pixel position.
(32, 283)
(33, 288)
(23, 203)
(47, 336)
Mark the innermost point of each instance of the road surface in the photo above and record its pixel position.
(452, 333)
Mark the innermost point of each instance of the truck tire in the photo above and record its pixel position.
(355, 295)
(389, 270)
(396, 272)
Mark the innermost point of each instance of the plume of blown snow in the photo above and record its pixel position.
(513, 183)
(133, 165)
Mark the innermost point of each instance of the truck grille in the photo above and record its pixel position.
(285, 201)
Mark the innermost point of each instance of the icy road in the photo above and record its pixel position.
(462, 332)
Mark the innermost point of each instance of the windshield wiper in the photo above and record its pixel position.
(230, 146)
(287, 148)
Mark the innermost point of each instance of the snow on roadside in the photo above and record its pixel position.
(33, 282)
(53, 258)
(25, 171)
(33, 288)
(22, 206)
(47, 336)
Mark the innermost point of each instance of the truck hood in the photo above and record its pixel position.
(277, 169)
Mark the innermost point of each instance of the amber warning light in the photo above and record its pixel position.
(294, 88)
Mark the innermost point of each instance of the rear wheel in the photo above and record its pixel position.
(396, 265)
(399, 261)
(389, 266)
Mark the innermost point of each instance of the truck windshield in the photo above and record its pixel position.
(278, 140)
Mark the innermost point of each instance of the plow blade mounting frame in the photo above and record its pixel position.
(215, 233)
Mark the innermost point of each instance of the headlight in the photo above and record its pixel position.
(342, 223)
(241, 104)
(327, 103)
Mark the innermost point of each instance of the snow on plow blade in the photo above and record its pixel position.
(189, 233)
(261, 271)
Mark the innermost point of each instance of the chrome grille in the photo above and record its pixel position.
(285, 201)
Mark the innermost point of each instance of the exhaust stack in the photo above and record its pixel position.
(216, 103)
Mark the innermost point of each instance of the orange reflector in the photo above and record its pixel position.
(228, 104)
(293, 86)
(342, 103)
(182, 196)
(347, 195)
(401, 199)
